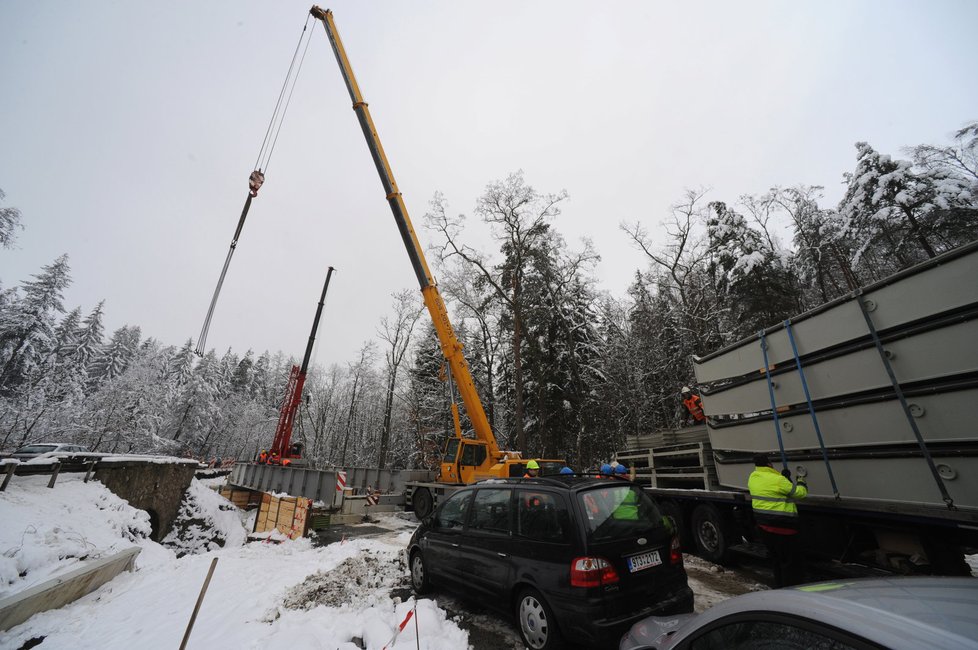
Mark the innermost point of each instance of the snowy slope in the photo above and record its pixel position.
(335, 593)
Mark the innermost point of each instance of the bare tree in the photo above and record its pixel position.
(519, 218)
(396, 332)
(358, 373)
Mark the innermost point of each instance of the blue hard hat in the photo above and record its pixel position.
(566, 470)
(621, 469)
(606, 469)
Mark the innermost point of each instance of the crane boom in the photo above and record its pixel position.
(450, 345)
(282, 450)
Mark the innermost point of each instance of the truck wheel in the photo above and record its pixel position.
(674, 510)
(422, 502)
(712, 533)
(538, 626)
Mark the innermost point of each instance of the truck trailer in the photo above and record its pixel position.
(872, 397)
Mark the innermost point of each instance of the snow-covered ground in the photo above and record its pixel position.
(347, 595)
(262, 595)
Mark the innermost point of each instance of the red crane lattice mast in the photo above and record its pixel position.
(283, 451)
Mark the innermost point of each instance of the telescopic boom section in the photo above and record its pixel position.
(450, 345)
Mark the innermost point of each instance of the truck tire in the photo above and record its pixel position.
(712, 533)
(674, 510)
(422, 503)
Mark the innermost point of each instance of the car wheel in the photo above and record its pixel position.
(538, 627)
(419, 574)
(423, 503)
(711, 533)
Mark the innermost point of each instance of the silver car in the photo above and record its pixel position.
(41, 448)
(898, 613)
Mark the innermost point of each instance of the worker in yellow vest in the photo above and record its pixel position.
(773, 496)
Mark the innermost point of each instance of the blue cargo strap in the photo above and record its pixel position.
(858, 295)
(811, 409)
(774, 406)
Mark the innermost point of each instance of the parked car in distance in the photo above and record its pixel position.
(41, 448)
(898, 613)
(572, 558)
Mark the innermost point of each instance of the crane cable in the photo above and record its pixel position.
(257, 176)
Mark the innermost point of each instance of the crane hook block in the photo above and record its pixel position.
(255, 182)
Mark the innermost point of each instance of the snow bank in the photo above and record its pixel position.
(346, 595)
(206, 522)
(48, 531)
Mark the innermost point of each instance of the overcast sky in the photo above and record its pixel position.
(129, 129)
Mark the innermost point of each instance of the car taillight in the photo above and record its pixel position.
(675, 552)
(592, 572)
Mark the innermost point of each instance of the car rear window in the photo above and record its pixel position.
(618, 510)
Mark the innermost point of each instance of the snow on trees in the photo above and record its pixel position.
(562, 369)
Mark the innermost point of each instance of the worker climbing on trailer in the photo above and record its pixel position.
(694, 406)
(773, 498)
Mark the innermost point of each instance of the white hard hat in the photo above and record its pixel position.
(686, 389)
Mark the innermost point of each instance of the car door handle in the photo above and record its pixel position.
(501, 554)
(454, 545)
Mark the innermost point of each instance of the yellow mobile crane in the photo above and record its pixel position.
(464, 460)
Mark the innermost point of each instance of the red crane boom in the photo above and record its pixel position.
(283, 451)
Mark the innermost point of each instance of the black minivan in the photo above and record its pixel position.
(573, 558)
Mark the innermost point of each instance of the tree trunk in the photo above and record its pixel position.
(518, 383)
(349, 420)
(918, 232)
(385, 434)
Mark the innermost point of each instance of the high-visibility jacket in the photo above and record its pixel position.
(695, 406)
(628, 508)
(773, 496)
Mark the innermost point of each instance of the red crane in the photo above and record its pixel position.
(283, 452)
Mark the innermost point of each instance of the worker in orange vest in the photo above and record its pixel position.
(263, 457)
(274, 459)
(693, 404)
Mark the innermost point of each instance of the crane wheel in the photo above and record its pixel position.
(423, 503)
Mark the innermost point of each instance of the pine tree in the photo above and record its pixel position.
(116, 355)
(27, 327)
(758, 288)
(906, 210)
(9, 223)
(89, 338)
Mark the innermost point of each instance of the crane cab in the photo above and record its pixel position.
(465, 461)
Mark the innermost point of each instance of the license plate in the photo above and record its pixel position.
(644, 561)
